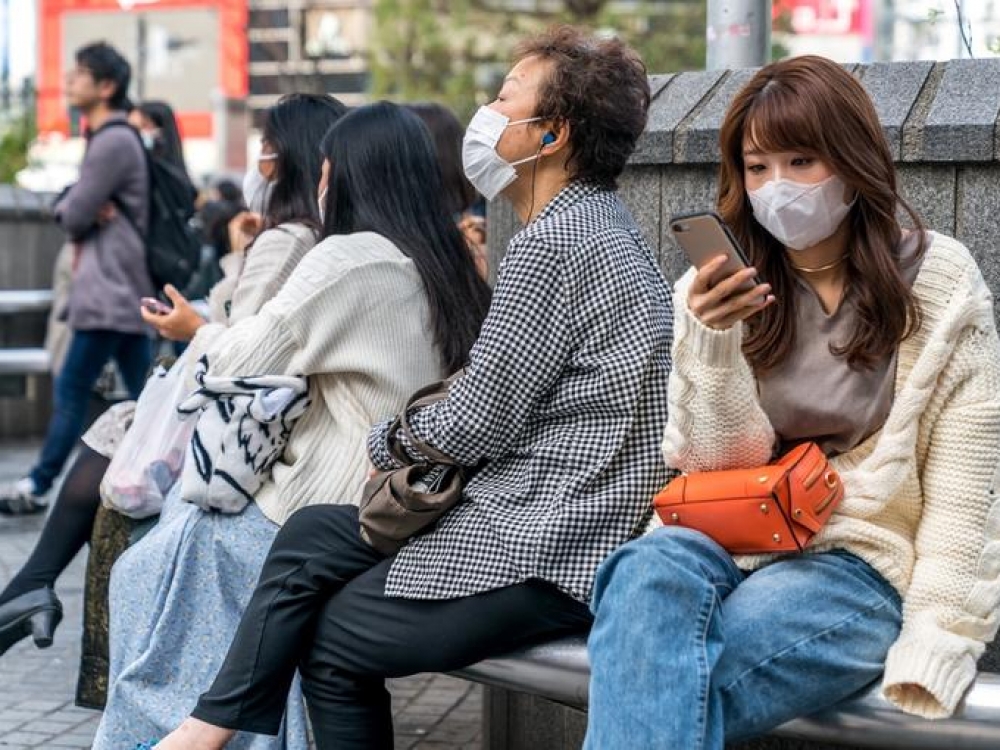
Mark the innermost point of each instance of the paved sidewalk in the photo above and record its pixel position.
(433, 712)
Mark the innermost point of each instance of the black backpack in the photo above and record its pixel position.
(173, 248)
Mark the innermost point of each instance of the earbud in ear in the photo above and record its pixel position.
(548, 138)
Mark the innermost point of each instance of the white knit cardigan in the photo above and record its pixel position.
(920, 504)
(354, 319)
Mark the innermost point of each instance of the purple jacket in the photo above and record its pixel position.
(110, 267)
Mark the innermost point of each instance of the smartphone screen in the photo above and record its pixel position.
(155, 306)
(703, 236)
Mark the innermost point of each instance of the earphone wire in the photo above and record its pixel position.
(534, 169)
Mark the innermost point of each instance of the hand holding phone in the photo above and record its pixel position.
(155, 307)
(726, 289)
(703, 236)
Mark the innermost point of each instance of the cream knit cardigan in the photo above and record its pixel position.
(353, 317)
(920, 503)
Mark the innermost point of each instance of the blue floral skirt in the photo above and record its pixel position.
(176, 599)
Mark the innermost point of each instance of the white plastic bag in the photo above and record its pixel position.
(151, 455)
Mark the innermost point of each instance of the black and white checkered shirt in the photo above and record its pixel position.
(565, 396)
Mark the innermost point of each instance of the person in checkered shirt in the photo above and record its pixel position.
(563, 405)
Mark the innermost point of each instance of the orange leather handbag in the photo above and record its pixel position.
(775, 508)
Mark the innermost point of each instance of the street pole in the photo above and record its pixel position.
(738, 34)
(5, 62)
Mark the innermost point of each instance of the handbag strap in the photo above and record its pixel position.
(429, 394)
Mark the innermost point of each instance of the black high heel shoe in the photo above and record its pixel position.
(36, 613)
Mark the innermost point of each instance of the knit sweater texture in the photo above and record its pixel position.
(920, 494)
(353, 318)
(251, 279)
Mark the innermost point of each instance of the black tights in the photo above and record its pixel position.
(68, 527)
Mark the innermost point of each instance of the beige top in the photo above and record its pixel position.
(814, 394)
(920, 502)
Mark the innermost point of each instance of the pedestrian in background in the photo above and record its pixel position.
(109, 265)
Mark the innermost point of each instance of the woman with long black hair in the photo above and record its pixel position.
(387, 302)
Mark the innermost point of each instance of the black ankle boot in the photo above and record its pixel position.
(35, 613)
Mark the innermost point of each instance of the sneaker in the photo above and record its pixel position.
(20, 498)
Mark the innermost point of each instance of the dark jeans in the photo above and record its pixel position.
(87, 355)
(320, 606)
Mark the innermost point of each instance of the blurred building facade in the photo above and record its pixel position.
(318, 46)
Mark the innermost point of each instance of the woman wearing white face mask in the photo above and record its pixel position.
(875, 342)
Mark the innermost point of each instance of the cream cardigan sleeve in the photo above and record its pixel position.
(951, 608)
(716, 421)
(338, 312)
(268, 264)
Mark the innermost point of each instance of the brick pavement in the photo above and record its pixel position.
(432, 712)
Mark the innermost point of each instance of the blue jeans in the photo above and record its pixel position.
(88, 352)
(687, 651)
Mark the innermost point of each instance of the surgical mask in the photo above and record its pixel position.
(149, 138)
(257, 188)
(489, 172)
(800, 215)
(322, 205)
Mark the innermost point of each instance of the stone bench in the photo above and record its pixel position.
(559, 673)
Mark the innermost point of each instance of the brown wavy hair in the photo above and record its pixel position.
(814, 106)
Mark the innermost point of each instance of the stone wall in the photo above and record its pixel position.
(29, 243)
(941, 120)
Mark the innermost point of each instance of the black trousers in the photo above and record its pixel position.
(320, 607)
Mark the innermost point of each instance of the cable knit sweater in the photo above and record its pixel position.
(353, 317)
(920, 503)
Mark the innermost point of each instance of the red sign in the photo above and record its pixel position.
(54, 15)
(825, 17)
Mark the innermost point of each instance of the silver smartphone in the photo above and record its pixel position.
(703, 236)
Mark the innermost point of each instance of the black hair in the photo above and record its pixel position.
(168, 145)
(447, 133)
(105, 63)
(229, 191)
(292, 128)
(384, 178)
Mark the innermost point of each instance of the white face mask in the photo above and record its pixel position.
(257, 188)
(321, 200)
(489, 172)
(800, 215)
(149, 138)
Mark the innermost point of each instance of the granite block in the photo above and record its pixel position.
(894, 87)
(675, 102)
(697, 141)
(684, 188)
(501, 224)
(961, 123)
(930, 190)
(640, 191)
(977, 219)
(657, 83)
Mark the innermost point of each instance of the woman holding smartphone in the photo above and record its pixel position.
(875, 341)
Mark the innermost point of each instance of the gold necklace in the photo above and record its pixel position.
(820, 269)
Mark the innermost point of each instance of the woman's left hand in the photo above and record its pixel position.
(179, 324)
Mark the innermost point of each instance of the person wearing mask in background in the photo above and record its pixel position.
(109, 266)
(160, 133)
(465, 204)
(292, 128)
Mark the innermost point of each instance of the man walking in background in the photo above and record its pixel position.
(104, 214)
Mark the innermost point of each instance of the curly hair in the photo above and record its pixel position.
(600, 89)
